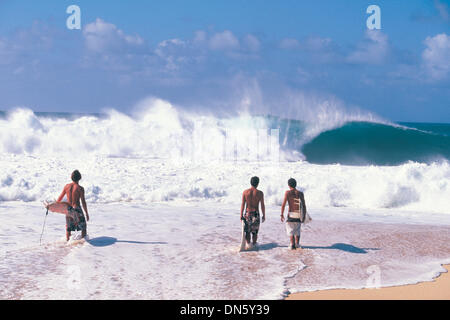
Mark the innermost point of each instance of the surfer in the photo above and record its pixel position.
(251, 199)
(297, 213)
(75, 219)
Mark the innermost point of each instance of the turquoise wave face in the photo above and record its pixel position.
(364, 143)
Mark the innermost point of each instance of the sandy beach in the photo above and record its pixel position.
(438, 289)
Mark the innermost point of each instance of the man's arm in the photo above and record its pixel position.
(283, 206)
(83, 203)
(263, 207)
(242, 205)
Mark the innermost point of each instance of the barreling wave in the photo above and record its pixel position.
(138, 157)
(160, 130)
(156, 130)
(364, 143)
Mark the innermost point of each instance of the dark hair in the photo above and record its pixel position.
(292, 183)
(76, 176)
(254, 181)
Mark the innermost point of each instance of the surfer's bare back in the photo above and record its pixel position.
(75, 220)
(251, 199)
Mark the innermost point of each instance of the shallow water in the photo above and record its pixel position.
(162, 251)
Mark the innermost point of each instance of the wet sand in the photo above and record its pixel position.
(438, 289)
(342, 258)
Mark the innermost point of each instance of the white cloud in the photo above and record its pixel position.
(171, 43)
(317, 43)
(373, 50)
(252, 43)
(36, 40)
(4, 55)
(317, 49)
(289, 43)
(200, 36)
(169, 50)
(443, 10)
(225, 40)
(311, 43)
(436, 56)
(178, 53)
(102, 36)
(19, 70)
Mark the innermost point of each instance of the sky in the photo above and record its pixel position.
(226, 56)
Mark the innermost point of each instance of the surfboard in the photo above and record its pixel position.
(243, 241)
(302, 214)
(58, 207)
(308, 218)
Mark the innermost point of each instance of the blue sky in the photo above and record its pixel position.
(221, 55)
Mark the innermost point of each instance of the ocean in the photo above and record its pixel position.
(164, 188)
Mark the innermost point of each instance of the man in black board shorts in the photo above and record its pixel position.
(75, 193)
(251, 198)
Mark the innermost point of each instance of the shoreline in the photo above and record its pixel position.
(437, 289)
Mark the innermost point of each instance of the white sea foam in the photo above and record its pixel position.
(413, 186)
(155, 128)
(162, 154)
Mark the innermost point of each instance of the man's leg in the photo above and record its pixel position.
(255, 229)
(83, 232)
(247, 237)
(68, 224)
(247, 233)
(292, 242)
(255, 237)
(297, 241)
(297, 237)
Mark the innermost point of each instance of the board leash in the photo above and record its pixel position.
(46, 214)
